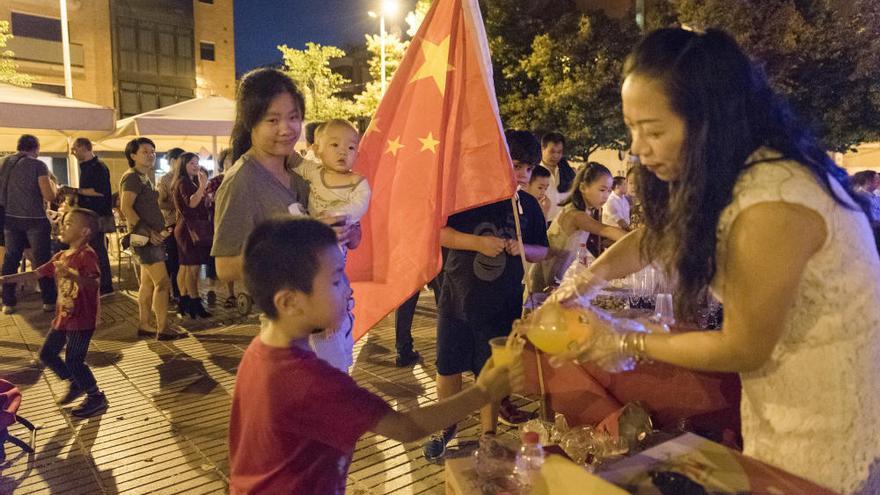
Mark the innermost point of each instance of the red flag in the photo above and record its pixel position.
(434, 147)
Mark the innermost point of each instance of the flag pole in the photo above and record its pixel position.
(545, 410)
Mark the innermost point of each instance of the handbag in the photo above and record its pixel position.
(200, 231)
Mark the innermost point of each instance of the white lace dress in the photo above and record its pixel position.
(814, 408)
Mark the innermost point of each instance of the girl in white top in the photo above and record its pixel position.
(572, 227)
(738, 197)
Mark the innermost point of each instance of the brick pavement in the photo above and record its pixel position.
(165, 430)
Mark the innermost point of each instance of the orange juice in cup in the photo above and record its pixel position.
(505, 350)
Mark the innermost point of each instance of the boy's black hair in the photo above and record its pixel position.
(89, 216)
(282, 253)
(539, 172)
(617, 181)
(523, 146)
(133, 146)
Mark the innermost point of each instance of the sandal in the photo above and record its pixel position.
(230, 302)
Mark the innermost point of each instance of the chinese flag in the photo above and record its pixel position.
(434, 147)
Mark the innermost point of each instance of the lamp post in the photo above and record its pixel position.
(388, 8)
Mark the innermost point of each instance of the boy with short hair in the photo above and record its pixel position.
(77, 277)
(538, 185)
(296, 419)
(482, 285)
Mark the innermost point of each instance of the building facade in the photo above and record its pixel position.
(132, 55)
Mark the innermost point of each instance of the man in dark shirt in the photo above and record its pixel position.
(94, 194)
(24, 190)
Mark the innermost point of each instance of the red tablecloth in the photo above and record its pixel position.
(709, 402)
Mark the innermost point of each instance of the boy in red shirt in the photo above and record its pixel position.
(77, 277)
(296, 419)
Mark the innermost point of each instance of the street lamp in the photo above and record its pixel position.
(387, 8)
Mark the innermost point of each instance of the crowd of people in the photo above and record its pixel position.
(723, 191)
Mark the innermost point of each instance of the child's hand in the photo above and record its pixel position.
(512, 247)
(499, 382)
(491, 246)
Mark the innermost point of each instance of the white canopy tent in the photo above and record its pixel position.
(200, 125)
(54, 119)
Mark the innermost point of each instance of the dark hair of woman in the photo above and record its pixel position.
(220, 164)
(255, 93)
(729, 111)
(588, 174)
(180, 173)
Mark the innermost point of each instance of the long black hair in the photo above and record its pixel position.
(255, 92)
(729, 112)
(588, 174)
(180, 173)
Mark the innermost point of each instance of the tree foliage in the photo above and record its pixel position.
(558, 69)
(368, 101)
(8, 68)
(310, 69)
(826, 61)
(395, 48)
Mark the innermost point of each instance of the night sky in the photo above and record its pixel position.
(261, 25)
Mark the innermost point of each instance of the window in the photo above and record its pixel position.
(34, 26)
(207, 50)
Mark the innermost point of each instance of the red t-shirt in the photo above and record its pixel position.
(295, 421)
(77, 306)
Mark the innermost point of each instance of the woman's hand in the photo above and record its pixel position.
(203, 180)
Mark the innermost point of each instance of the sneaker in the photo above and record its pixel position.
(8, 310)
(48, 308)
(435, 448)
(510, 415)
(73, 392)
(94, 404)
(211, 298)
(408, 358)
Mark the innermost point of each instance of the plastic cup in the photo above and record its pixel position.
(502, 354)
(663, 309)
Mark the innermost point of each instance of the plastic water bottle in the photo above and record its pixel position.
(583, 254)
(529, 460)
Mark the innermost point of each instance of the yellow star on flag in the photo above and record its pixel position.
(436, 63)
(429, 143)
(373, 127)
(393, 146)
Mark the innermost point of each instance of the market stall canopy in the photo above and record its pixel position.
(199, 124)
(51, 117)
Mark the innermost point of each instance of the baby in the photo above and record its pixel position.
(335, 189)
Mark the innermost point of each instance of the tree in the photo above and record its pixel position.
(558, 69)
(310, 69)
(824, 60)
(367, 101)
(8, 68)
(395, 48)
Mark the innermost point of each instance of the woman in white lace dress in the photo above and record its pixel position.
(741, 199)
